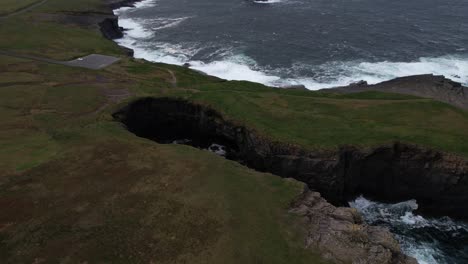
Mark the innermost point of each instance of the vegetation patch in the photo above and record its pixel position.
(10, 6)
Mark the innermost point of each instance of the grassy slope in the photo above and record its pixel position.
(76, 186)
(9, 6)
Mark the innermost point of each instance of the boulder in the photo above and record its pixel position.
(295, 87)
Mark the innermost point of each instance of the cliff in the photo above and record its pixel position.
(392, 172)
(428, 86)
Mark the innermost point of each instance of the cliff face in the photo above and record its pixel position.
(396, 172)
(110, 28)
(438, 181)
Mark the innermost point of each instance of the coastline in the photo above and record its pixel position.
(436, 87)
(109, 27)
(89, 188)
(235, 63)
(236, 67)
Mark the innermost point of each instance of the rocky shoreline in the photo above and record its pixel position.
(341, 235)
(109, 27)
(427, 86)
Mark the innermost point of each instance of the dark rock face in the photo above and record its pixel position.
(429, 86)
(115, 4)
(359, 83)
(110, 28)
(438, 181)
(396, 172)
(343, 237)
(296, 87)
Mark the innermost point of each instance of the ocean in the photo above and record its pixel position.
(316, 43)
(429, 240)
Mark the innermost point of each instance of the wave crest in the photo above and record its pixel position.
(420, 237)
(241, 67)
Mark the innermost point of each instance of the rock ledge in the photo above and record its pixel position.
(341, 235)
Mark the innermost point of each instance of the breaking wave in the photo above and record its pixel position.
(237, 66)
(429, 240)
(267, 1)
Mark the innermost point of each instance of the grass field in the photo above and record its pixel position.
(76, 187)
(10, 6)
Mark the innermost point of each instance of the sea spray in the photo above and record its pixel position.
(429, 240)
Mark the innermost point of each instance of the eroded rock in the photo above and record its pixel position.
(341, 235)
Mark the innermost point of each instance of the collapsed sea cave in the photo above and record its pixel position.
(391, 173)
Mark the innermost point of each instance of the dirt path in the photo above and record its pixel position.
(113, 96)
(173, 80)
(24, 9)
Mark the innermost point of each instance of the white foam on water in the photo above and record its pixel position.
(423, 252)
(169, 23)
(217, 149)
(415, 220)
(145, 3)
(238, 67)
(137, 5)
(401, 217)
(231, 69)
(122, 10)
(344, 73)
(165, 53)
(268, 2)
(241, 67)
(134, 29)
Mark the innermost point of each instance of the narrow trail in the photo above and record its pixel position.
(24, 9)
(113, 96)
(173, 80)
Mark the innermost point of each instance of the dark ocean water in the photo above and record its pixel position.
(318, 43)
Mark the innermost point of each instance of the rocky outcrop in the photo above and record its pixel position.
(110, 28)
(341, 235)
(115, 4)
(295, 87)
(428, 86)
(395, 172)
